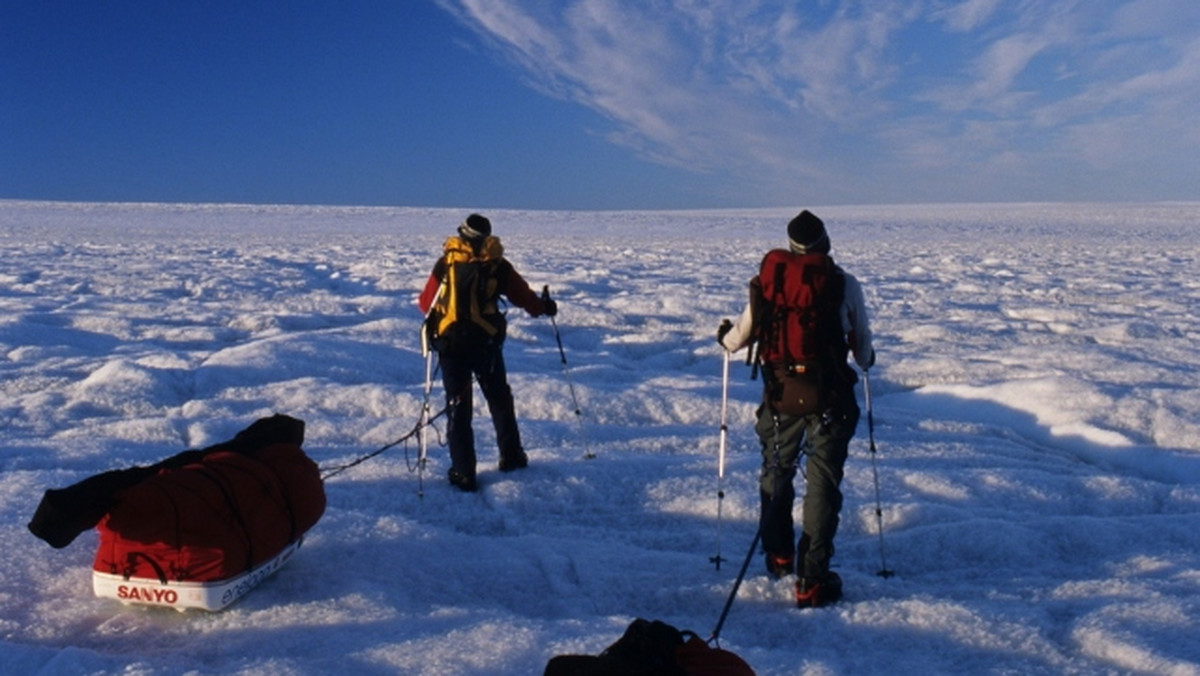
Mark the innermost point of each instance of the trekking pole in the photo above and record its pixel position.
(587, 453)
(883, 572)
(714, 639)
(427, 352)
(721, 455)
(423, 453)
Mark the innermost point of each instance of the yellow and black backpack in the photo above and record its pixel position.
(469, 293)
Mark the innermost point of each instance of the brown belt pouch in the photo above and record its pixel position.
(794, 389)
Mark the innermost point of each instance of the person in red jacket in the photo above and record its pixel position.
(466, 327)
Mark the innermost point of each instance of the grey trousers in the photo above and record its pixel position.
(824, 440)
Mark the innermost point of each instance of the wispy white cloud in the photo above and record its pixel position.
(914, 93)
(966, 16)
(834, 68)
(612, 57)
(989, 81)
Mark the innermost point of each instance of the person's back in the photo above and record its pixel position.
(466, 327)
(805, 316)
(800, 342)
(465, 310)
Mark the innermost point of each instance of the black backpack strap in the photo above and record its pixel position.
(131, 562)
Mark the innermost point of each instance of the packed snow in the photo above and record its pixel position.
(1036, 419)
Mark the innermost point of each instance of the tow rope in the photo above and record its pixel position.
(412, 467)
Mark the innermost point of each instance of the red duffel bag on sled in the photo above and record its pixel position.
(199, 529)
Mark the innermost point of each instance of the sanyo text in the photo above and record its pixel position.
(147, 594)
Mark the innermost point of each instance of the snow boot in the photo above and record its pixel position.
(464, 482)
(817, 592)
(780, 566)
(514, 461)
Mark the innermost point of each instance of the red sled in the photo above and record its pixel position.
(202, 528)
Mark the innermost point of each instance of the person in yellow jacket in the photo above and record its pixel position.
(467, 328)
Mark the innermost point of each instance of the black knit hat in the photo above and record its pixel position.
(475, 227)
(806, 233)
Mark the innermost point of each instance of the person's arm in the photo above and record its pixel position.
(429, 294)
(857, 325)
(740, 333)
(517, 290)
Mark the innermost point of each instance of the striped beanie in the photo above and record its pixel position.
(475, 227)
(806, 233)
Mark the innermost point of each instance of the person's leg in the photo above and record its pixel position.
(817, 585)
(781, 437)
(493, 382)
(824, 471)
(456, 380)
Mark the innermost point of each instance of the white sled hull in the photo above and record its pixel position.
(210, 596)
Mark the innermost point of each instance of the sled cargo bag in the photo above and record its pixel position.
(652, 648)
(204, 530)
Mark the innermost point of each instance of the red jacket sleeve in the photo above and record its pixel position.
(517, 290)
(429, 294)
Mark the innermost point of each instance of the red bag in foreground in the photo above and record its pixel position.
(204, 533)
(199, 529)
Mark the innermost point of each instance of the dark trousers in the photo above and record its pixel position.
(484, 361)
(783, 442)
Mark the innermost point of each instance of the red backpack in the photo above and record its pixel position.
(800, 343)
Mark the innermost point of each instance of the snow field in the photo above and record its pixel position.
(1035, 407)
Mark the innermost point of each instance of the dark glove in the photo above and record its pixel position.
(550, 308)
(725, 327)
(871, 361)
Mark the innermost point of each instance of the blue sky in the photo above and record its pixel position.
(600, 104)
